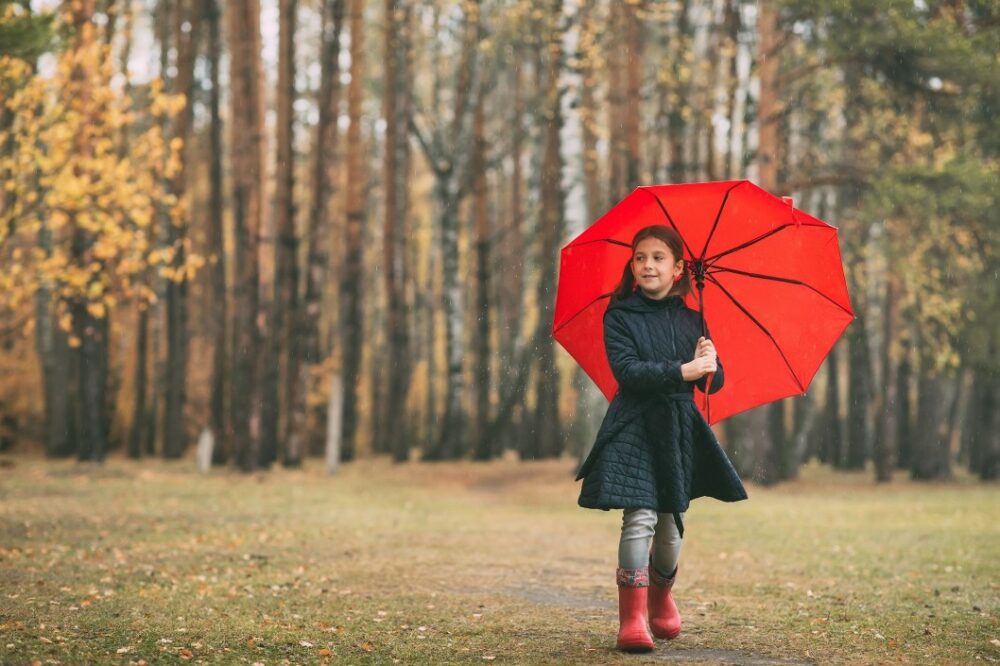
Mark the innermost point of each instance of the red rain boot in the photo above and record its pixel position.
(664, 619)
(633, 635)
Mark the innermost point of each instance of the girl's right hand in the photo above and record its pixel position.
(698, 368)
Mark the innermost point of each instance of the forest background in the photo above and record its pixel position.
(290, 223)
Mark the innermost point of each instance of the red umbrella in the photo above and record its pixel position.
(774, 294)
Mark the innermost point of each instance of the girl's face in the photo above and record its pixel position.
(654, 267)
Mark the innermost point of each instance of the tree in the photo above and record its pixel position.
(351, 322)
(177, 277)
(281, 383)
(396, 110)
(447, 149)
(76, 230)
(308, 351)
(546, 440)
(246, 149)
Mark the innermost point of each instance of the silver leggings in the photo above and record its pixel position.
(639, 527)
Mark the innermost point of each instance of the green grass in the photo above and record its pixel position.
(466, 563)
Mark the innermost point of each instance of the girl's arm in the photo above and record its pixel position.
(631, 372)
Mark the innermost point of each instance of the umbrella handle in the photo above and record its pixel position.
(698, 269)
(707, 406)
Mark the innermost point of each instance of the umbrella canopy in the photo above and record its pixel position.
(775, 297)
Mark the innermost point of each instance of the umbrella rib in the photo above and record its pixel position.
(669, 219)
(581, 311)
(718, 216)
(723, 269)
(613, 241)
(761, 327)
(747, 244)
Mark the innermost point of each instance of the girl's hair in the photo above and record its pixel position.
(627, 285)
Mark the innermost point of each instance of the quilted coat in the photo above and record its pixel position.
(654, 449)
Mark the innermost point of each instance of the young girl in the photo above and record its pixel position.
(654, 452)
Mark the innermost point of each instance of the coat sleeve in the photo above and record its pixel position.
(719, 378)
(631, 372)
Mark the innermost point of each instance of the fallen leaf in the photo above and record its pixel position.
(186, 654)
(366, 646)
(305, 644)
(324, 652)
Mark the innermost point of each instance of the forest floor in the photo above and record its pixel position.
(151, 562)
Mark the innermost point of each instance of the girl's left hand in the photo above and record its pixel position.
(705, 348)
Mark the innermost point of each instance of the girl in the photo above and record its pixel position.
(654, 451)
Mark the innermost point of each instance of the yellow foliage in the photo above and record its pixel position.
(96, 310)
(89, 171)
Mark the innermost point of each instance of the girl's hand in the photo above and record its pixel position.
(704, 361)
(698, 368)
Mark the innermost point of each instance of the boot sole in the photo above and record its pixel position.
(668, 637)
(637, 650)
(638, 646)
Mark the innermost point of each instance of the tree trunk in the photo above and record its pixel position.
(483, 448)
(904, 417)
(454, 423)
(678, 115)
(92, 374)
(453, 181)
(88, 330)
(510, 281)
(768, 105)
(615, 103)
(775, 460)
(246, 144)
(713, 83)
(931, 459)
(985, 461)
(733, 25)
(53, 352)
(220, 423)
(281, 383)
(833, 436)
(141, 367)
(174, 439)
(397, 109)
(307, 351)
(547, 431)
(767, 421)
(885, 438)
(859, 396)
(351, 323)
(632, 49)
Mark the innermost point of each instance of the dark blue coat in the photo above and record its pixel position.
(654, 449)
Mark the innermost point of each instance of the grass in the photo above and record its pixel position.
(465, 563)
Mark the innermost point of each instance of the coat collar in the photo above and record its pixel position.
(639, 302)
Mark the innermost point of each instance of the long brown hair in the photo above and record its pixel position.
(626, 287)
